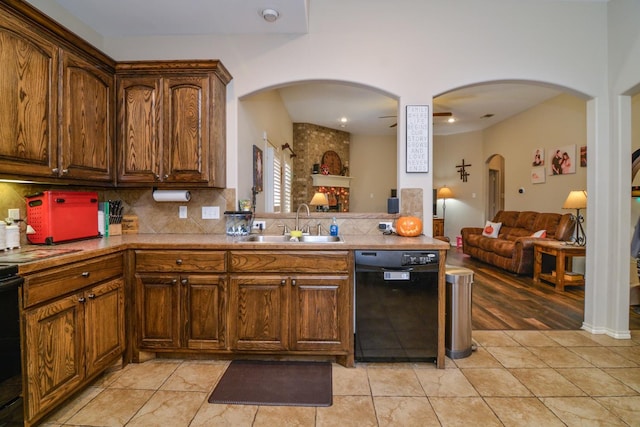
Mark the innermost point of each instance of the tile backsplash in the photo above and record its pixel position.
(162, 217)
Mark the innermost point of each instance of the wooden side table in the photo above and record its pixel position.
(564, 261)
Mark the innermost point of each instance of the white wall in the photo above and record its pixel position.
(415, 50)
(464, 210)
(260, 113)
(372, 163)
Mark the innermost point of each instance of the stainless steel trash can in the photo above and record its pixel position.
(458, 342)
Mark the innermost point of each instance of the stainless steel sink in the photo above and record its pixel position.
(259, 238)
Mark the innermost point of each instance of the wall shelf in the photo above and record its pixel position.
(320, 180)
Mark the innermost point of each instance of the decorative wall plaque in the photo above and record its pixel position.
(417, 138)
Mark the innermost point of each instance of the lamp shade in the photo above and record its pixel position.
(319, 199)
(577, 199)
(445, 193)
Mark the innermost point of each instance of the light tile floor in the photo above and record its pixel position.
(515, 378)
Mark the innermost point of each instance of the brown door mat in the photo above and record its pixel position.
(275, 383)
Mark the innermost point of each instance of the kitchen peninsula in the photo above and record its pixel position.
(190, 295)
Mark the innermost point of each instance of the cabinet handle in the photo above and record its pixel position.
(82, 300)
(283, 282)
(91, 296)
(85, 274)
(65, 171)
(55, 171)
(184, 281)
(293, 282)
(179, 261)
(166, 176)
(157, 177)
(174, 281)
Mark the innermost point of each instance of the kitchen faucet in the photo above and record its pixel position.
(298, 214)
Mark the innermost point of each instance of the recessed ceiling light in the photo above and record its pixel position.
(343, 120)
(451, 120)
(270, 15)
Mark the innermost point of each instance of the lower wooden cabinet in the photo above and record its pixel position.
(289, 312)
(70, 339)
(180, 299)
(297, 301)
(180, 311)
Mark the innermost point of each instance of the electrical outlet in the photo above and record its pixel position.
(14, 214)
(259, 225)
(182, 212)
(210, 212)
(385, 225)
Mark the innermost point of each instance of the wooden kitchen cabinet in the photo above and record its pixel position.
(28, 111)
(57, 109)
(69, 340)
(181, 297)
(171, 123)
(290, 301)
(87, 140)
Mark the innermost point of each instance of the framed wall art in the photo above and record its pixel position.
(537, 158)
(537, 175)
(562, 160)
(257, 169)
(417, 138)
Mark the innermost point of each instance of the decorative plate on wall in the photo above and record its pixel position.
(332, 160)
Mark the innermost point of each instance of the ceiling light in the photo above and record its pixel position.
(343, 120)
(270, 15)
(451, 120)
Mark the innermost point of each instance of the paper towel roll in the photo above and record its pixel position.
(171, 195)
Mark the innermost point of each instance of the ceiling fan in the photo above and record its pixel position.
(444, 114)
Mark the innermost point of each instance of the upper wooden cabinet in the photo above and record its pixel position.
(28, 101)
(57, 108)
(87, 148)
(171, 123)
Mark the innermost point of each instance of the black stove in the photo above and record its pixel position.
(11, 409)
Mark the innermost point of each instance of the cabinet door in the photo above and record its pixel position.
(54, 352)
(139, 129)
(258, 312)
(87, 121)
(320, 313)
(28, 102)
(104, 327)
(158, 300)
(186, 127)
(204, 311)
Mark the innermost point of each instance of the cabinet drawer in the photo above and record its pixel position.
(177, 261)
(59, 281)
(298, 261)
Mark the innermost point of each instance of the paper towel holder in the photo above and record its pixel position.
(184, 198)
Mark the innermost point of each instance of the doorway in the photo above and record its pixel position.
(495, 182)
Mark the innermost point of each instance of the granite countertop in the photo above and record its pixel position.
(85, 249)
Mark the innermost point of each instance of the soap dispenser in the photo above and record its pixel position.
(333, 229)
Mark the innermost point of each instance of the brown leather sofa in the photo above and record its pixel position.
(512, 250)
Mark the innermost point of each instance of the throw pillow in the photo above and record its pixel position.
(491, 229)
(540, 233)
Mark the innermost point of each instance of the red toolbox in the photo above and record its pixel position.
(59, 216)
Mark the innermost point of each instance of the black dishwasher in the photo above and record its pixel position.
(396, 316)
(11, 407)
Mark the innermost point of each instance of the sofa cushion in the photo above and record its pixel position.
(507, 218)
(526, 220)
(503, 247)
(547, 221)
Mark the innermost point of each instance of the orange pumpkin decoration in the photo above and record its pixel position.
(409, 226)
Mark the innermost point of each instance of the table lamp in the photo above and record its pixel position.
(444, 193)
(320, 201)
(577, 199)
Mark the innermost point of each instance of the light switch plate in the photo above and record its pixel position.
(182, 213)
(210, 212)
(257, 224)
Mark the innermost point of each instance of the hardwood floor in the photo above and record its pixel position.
(506, 301)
